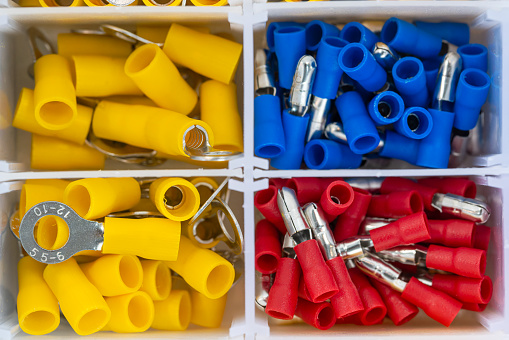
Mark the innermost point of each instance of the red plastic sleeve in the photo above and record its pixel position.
(266, 202)
(452, 233)
(319, 315)
(374, 307)
(336, 191)
(309, 189)
(465, 289)
(267, 247)
(399, 310)
(395, 204)
(282, 299)
(347, 301)
(463, 261)
(391, 184)
(457, 186)
(482, 235)
(348, 223)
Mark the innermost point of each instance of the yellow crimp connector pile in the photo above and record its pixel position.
(110, 290)
(144, 96)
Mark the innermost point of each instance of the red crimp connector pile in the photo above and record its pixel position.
(431, 259)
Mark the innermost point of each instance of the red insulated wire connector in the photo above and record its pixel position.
(347, 301)
(463, 261)
(309, 189)
(267, 247)
(475, 307)
(282, 300)
(278, 182)
(452, 185)
(465, 289)
(303, 291)
(393, 184)
(336, 199)
(319, 315)
(436, 304)
(266, 202)
(452, 233)
(406, 230)
(395, 204)
(399, 310)
(374, 307)
(348, 223)
(482, 235)
(317, 275)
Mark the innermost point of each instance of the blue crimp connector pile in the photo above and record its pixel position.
(332, 98)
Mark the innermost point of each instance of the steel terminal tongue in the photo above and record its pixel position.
(293, 216)
(83, 234)
(197, 146)
(371, 223)
(320, 108)
(300, 93)
(121, 33)
(262, 288)
(461, 207)
(334, 131)
(321, 231)
(411, 255)
(385, 55)
(354, 247)
(368, 184)
(375, 267)
(447, 79)
(288, 247)
(264, 76)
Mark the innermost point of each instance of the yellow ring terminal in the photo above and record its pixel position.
(174, 313)
(37, 191)
(24, 119)
(175, 198)
(157, 238)
(102, 76)
(54, 93)
(70, 44)
(149, 127)
(209, 55)
(162, 3)
(93, 198)
(207, 312)
(203, 269)
(50, 153)
(209, 2)
(38, 311)
(201, 164)
(156, 279)
(57, 3)
(115, 274)
(81, 303)
(218, 106)
(130, 313)
(160, 80)
(206, 187)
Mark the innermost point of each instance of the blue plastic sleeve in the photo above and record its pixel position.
(415, 123)
(471, 93)
(322, 154)
(295, 128)
(410, 80)
(431, 67)
(290, 45)
(400, 147)
(355, 32)
(454, 32)
(434, 150)
(269, 137)
(406, 38)
(360, 130)
(316, 30)
(386, 108)
(328, 72)
(274, 26)
(474, 56)
(360, 65)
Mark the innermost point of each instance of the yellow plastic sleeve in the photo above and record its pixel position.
(204, 270)
(206, 54)
(93, 198)
(80, 302)
(50, 153)
(130, 313)
(38, 311)
(156, 279)
(162, 3)
(24, 119)
(145, 204)
(157, 34)
(174, 313)
(209, 2)
(150, 238)
(54, 93)
(131, 100)
(102, 76)
(114, 275)
(52, 232)
(70, 44)
(99, 3)
(145, 126)
(37, 191)
(207, 312)
(56, 3)
(160, 80)
(218, 104)
(164, 191)
(29, 3)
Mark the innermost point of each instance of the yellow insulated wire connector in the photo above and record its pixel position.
(130, 313)
(40, 190)
(70, 44)
(175, 198)
(207, 312)
(156, 279)
(173, 313)
(38, 311)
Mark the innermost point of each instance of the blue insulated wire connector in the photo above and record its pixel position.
(454, 32)
(410, 80)
(355, 32)
(290, 45)
(474, 56)
(399, 147)
(415, 123)
(386, 108)
(269, 137)
(316, 30)
(434, 150)
(324, 154)
(328, 73)
(274, 26)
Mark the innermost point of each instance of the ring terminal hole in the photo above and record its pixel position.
(56, 113)
(202, 231)
(205, 190)
(51, 232)
(195, 139)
